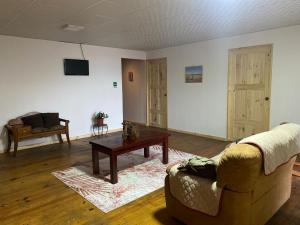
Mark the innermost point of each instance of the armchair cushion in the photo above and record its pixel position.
(195, 192)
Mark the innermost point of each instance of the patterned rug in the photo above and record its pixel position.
(137, 177)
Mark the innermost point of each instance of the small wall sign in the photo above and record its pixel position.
(115, 84)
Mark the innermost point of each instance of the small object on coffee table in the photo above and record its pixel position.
(116, 145)
(130, 130)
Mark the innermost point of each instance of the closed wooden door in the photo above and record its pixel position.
(157, 92)
(249, 89)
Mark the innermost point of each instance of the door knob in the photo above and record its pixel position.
(267, 98)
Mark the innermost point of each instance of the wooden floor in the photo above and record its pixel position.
(30, 195)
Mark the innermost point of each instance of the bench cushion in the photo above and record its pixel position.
(42, 129)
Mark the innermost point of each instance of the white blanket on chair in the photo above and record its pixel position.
(278, 145)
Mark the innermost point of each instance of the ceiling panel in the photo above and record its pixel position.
(110, 9)
(144, 24)
(136, 4)
(9, 9)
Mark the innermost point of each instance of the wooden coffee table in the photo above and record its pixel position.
(115, 145)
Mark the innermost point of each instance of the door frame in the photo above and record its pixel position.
(147, 86)
(228, 80)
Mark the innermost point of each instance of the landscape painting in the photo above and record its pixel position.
(193, 74)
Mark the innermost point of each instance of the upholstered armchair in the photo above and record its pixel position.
(241, 194)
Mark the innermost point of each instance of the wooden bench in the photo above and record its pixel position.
(18, 133)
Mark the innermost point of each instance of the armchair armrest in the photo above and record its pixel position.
(239, 168)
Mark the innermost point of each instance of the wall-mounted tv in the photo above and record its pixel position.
(76, 67)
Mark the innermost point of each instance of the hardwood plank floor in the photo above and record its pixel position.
(30, 195)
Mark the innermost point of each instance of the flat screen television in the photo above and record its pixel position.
(76, 67)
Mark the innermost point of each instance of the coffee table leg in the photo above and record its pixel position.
(95, 158)
(113, 169)
(146, 152)
(165, 151)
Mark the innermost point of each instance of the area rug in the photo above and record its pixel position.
(137, 176)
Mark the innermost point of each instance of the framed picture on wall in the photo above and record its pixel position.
(130, 76)
(193, 74)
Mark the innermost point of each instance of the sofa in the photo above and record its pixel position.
(248, 196)
(36, 125)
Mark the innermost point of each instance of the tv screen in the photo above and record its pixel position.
(76, 67)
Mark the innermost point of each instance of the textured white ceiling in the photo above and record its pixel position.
(143, 24)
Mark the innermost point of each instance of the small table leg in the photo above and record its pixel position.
(113, 169)
(8, 143)
(95, 158)
(295, 172)
(146, 152)
(165, 151)
(106, 129)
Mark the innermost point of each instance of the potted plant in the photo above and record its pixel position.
(99, 118)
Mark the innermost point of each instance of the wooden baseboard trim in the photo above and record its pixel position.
(138, 123)
(73, 138)
(198, 134)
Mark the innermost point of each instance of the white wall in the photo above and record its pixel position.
(134, 92)
(202, 108)
(32, 79)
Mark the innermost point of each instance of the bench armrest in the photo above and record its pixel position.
(9, 127)
(18, 130)
(63, 120)
(12, 129)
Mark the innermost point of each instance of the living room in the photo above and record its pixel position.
(140, 54)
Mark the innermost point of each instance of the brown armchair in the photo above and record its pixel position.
(249, 196)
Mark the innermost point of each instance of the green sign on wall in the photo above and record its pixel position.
(115, 84)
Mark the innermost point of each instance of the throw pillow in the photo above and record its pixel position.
(50, 119)
(35, 121)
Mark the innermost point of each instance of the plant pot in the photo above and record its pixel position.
(100, 122)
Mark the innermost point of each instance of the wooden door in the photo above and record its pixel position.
(249, 89)
(157, 92)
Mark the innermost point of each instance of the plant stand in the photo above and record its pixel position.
(99, 128)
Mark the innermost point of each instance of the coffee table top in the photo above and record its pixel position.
(116, 142)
